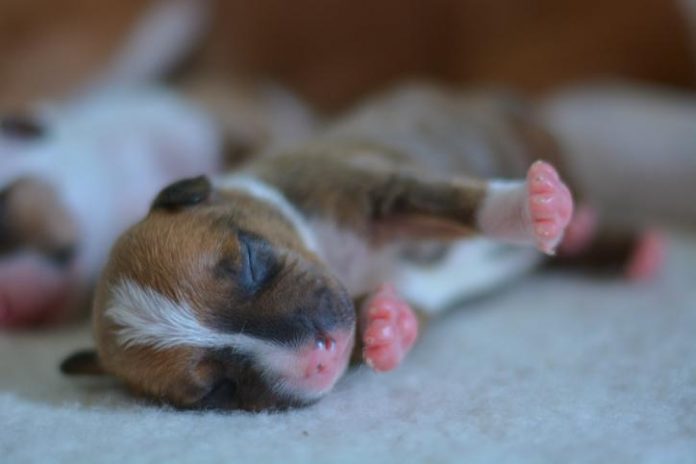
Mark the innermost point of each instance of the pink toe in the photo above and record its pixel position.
(382, 308)
(544, 206)
(379, 332)
(542, 177)
(390, 329)
(546, 230)
(648, 257)
(550, 205)
(383, 358)
(545, 169)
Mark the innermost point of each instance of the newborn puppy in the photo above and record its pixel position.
(241, 291)
(62, 196)
(252, 290)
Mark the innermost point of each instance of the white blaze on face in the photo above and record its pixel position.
(147, 318)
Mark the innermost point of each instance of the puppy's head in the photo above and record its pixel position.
(214, 300)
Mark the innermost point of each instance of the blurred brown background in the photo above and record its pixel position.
(332, 51)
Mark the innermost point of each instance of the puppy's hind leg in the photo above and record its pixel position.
(534, 211)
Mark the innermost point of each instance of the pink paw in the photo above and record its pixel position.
(550, 205)
(648, 257)
(390, 329)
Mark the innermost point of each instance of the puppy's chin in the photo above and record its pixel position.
(277, 377)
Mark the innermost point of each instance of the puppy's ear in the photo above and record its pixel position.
(184, 194)
(83, 362)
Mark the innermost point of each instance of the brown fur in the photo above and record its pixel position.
(179, 252)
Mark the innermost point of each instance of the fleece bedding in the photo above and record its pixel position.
(558, 367)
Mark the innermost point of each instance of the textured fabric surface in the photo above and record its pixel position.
(557, 368)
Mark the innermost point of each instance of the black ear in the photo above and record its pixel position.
(83, 362)
(184, 193)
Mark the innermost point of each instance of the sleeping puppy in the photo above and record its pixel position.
(254, 289)
(62, 202)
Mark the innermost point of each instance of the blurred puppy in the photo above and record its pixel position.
(64, 166)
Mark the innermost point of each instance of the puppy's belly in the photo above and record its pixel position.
(358, 266)
(469, 268)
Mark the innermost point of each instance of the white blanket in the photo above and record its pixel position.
(558, 368)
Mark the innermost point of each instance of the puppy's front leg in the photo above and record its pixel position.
(387, 329)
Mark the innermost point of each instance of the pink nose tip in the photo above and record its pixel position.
(322, 362)
(325, 342)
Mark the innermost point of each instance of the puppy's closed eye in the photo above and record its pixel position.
(260, 262)
(257, 264)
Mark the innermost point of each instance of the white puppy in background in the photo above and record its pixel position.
(75, 173)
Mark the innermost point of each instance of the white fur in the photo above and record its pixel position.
(471, 268)
(504, 214)
(357, 265)
(107, 157)
(148, 318)
(271, 196)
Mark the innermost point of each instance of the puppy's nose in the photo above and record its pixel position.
(321, 364)
(325, 342)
